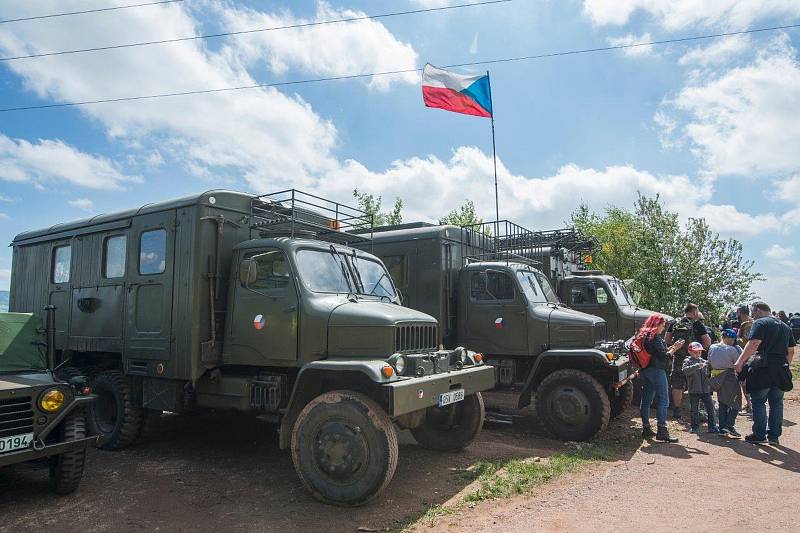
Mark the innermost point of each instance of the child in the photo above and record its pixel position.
(722, 357)
(696, 371)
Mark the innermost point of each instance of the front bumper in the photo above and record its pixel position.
(413, 394)
(622, 367)
(30, 454)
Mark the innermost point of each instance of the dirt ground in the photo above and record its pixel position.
(225, 473)
(704, 483)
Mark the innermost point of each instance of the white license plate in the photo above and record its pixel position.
(623, 374)
(16, 442)
(451, 397)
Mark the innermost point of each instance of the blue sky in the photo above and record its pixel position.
(711, 126)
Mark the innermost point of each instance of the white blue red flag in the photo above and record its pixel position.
(470, 95)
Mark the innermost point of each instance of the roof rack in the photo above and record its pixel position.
(295, 213)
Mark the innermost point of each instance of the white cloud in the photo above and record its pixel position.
(776, 251)
(779, 291)
(473, 48)
(83, 204)
(718, 52)
(677, 14)
(53, 160)
(4, 216)
(789, 189)
(340, 49)
(744, 121)
(630, 39)
(728, 219)
(426, 4)
(7, 199)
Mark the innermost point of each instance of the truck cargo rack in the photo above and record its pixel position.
(503, 240)
(294, 213)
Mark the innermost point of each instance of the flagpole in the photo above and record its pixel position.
(494, 157)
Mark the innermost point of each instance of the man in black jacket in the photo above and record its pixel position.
(773, 344)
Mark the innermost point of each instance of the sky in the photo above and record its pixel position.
(711, 126)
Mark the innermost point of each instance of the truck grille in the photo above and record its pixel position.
(16, 416)
(415, 337)
(600, 332)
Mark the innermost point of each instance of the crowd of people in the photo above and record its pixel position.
(748, 368)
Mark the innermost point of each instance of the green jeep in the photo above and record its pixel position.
(41, 416)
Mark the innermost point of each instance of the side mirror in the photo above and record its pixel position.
(248, 272)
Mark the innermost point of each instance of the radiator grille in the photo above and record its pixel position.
(16, 416)
(415, 337)
(600, 332)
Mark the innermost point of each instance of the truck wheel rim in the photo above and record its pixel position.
(340, 450)
(570, 406)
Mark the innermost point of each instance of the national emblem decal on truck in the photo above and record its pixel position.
(259, 322)
(499, 323)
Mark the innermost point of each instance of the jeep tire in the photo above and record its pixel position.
(452, 427)
(572, 405)
(66, 469)
(113, 415)
(344, 448)
(621, 399)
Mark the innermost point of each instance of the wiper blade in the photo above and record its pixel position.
(342, 265)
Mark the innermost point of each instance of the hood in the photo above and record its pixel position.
(574, 329)
(373, 313)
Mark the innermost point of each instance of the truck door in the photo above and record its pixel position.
(496, 314)
(148, 327)
(593, 298)
(264, 318)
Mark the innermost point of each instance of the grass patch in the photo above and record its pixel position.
(512, 477)
(795, 366)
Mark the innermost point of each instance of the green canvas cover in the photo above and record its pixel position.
(22, 347)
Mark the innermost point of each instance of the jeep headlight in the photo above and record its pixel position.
(52, 400)
(400, 365)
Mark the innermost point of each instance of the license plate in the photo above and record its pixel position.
(623, 374)
(16, 442)
(451, 397)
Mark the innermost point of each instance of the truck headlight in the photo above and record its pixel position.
(400, 365)
(52, 400)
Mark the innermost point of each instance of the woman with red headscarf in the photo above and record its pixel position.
(654, 377)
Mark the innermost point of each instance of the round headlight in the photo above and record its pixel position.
(52, 400)
(400, 365)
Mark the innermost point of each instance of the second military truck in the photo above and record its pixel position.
(488, 295)
(227, 300)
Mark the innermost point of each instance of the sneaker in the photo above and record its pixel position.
(663, 436)
(755, 440)
(732, 433)
(715, 430)
(692, 430)
(774, 441)
(724, 432)
(648, 433)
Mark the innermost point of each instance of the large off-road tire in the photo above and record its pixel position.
(572, 405)
(344, 448)
(621, 399)
(66, 469)
(113, 416)
(453, 427)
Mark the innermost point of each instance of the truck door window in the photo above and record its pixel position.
(62, 258)
(499, 286)
(153, 251)
(601, 295)
(272, 271)
(114, 250)
(588, 294)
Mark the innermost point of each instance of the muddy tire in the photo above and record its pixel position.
(451, 428)
(66, 470)
(344, 448)
(621, 399)
(113, 416)
(572, 405)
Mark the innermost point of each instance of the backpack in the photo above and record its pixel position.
(682, 330)
(637, 353)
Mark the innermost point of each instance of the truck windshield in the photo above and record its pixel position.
(547, 289)
(531, 286)
(374, 278)
(323, 271)
(620, 292)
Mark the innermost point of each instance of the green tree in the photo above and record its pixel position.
(668, 263)
(371, 205)
(462, 216)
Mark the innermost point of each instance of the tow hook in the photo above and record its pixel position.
(38, 445)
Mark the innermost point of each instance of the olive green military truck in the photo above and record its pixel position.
(564, 255)
(41, 416)
(488, 295)
(227, 300)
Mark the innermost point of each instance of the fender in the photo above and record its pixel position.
(595, 356)
(302, 393)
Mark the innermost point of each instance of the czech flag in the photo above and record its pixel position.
(499, 323)
(470, 95)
